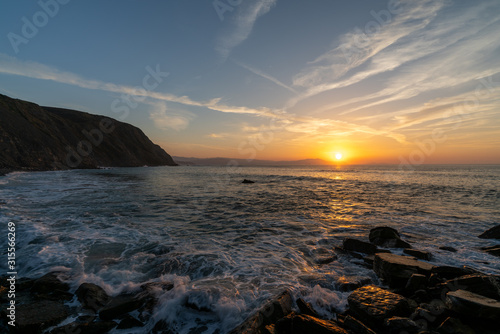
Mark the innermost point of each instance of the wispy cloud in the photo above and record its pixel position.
(165, 119)
(244, 20)
(264, 75)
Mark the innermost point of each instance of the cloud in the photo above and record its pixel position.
(165, 119)
(264, 75)
(244, 22)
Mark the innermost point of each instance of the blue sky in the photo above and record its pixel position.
(378, 81)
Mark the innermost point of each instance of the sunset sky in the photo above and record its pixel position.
(376, 81)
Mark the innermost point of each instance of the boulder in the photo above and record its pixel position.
(492, 250)
(484, 285)
(49, 283)
(395, 270)
(122, 304)
(306, 308)
(99, 327)
(374, 305)
(356, 326)
(454, 326)
(305, 324)
(247, 181)
(492, 233)
(129, 322)
(449, 272)
(92, 296)
(416, 282)
(270, 313)
(398, 325)
(33, 317)
(387, 237)
(350, 283)
(355, 245)
(422, 255)
(471, 304)
(448, 249)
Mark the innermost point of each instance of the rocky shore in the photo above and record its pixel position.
(416, 297)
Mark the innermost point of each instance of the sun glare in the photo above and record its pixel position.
(338, 156)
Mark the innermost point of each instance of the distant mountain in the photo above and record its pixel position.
(44, 138)
(243, 162)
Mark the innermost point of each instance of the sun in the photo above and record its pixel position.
(338, 156)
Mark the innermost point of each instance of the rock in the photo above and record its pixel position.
(270, 313)
(492, 233)
(247, 181)
(373, 305)
(369, 259)
(395, 270)
(122, 304)
(129, 322)
(350, 283)
(471, 304)
(305, 324)
(153, 287)
(493, 250)
(356, 326)
(449, 272)
(355, 245)
(387, 237)
(92, 296)
(49, 283)
(484, 285)
(400, 325)
(454, 326)
(448, 248)
(306, 308)
(416, 282)
(100, 327)
(422, 255)
(33, 317)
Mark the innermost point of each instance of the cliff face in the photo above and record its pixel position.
(44, 138)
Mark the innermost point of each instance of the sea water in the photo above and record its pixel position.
(228, 246)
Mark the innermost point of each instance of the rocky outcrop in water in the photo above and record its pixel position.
(43, 138)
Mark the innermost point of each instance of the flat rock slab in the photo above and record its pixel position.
(492, 233)
(356, 245)
(31, 318)
(302, 324)
(396, 269)
(373, 305)
(471, 304)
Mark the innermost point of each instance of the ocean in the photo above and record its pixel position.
(228, 246)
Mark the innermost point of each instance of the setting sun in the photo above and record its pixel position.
(338, 156)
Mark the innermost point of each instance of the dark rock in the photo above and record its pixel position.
(157, 286)
(356, 326)
(92, 296)
(122, 304)
(400, 325)
(492, 250)
(247, 181)
(350, 283)
(422, 255)
(33, 317)
(355, 245)
(387, 237)
(369, 259)
(449, 272)
(435, 279)
(395, 270)
(373, 305)
(49, 283)
(129, 322)
(468, 303)
(37, 138)
(270, 313)
(416, 282)
(454, 326)
(306, 308)
(100, 327)
(305, 324)
(492, 233)
(448, 248)
(484, 285)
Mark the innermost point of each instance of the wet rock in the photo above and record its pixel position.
(247, 181)
(454, 326)
(305, 324)
(153, 287)
(373, 305)
(484, 285)
(270, 313)
(356, 326)
(395, 270)
(400, 325)
(422, 255)
(92, 296)
(355, 245)
(122, 304)
(468, 303)
(33, 317)
(448, 248)
(492, 233)
(493, 250)
(49, 283)
(306, 308)
(449, 272)
(387, 237)
(99, 327)
(350, 283)
(369, 259)
(129, 322)
(416, 282)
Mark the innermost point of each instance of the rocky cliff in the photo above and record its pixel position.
(43, 138)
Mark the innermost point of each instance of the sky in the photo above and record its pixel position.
(401, 82)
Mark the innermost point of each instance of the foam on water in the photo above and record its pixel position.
(228, 247)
